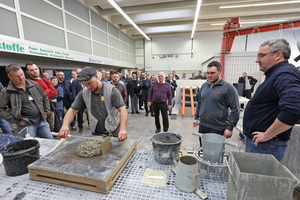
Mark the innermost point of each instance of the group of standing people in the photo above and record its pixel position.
(268, 118)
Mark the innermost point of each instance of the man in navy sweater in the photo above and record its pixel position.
(159, 93)
(274, 108)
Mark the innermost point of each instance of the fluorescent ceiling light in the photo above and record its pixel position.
(259, 4)
(196, 17)
(128, 18)
(256, 22)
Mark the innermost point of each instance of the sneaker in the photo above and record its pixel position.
(146, 114)
(137, 112)
(80, 130)
(157, 131)
(141, 108)
(73, 128)
(132, 112)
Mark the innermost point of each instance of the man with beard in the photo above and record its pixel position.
(214, 99)
(127, 79)
(104, 103)
(48, 88)
(68, 97)
(134, 87)
(145, 91)
(121, 87)
(76, 88)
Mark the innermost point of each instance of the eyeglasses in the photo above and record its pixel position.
(88, 83)
(262, 55)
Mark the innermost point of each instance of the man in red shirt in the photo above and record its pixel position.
(34, 73)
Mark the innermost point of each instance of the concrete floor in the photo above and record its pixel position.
(142, 128)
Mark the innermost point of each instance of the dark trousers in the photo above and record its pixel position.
(80, 118)
(127, 102)
(151, 108)
(146, 104)
(247, 94)
(68, 104)
(164, 112)
(140, 101)
(204, 129)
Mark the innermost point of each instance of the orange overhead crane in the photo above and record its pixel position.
(232, 29)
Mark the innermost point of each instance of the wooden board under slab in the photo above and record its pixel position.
(98, 174)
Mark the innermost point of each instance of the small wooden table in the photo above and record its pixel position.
(98, 173)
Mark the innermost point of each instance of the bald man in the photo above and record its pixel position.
(249, 83)
(159, 93)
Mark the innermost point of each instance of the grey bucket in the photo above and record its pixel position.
(213, 146)
(259, 177)
(166, 147)
(188, 174)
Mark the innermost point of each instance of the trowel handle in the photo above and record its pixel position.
(231, 143)
(198, 134)
(176, 161)
(54, 134)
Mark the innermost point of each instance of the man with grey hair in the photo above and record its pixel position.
(27, 102)
(274, 109)
(249, 83)
(159, 93)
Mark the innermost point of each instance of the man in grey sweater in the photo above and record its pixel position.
(215, 98)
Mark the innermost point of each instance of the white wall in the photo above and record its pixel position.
(204, 44)
(209, 45)
(254, 41)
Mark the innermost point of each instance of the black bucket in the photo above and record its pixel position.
(166, 147)
(18, 155)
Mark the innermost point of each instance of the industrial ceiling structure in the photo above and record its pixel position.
(175, 17)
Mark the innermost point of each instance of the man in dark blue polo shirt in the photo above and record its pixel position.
(274, 108)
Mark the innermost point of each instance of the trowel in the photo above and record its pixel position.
(105, 146)
(87, 138)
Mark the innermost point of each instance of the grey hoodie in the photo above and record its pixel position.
(214, 102)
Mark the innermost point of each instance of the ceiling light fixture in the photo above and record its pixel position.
(128, 18)
(256, 22)
(258, 4)
(196, 17)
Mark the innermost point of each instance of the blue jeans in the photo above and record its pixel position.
(134, 102)
(42, 129)
(170, 111)
(275, 147)
(6, 127)
(61, 116)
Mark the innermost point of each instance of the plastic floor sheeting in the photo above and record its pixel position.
(127, 186)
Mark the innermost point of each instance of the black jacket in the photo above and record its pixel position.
(134, 87)
(173, 86)
(252, 81)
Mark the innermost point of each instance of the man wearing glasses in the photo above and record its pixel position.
(104, 103)
(274, 108)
